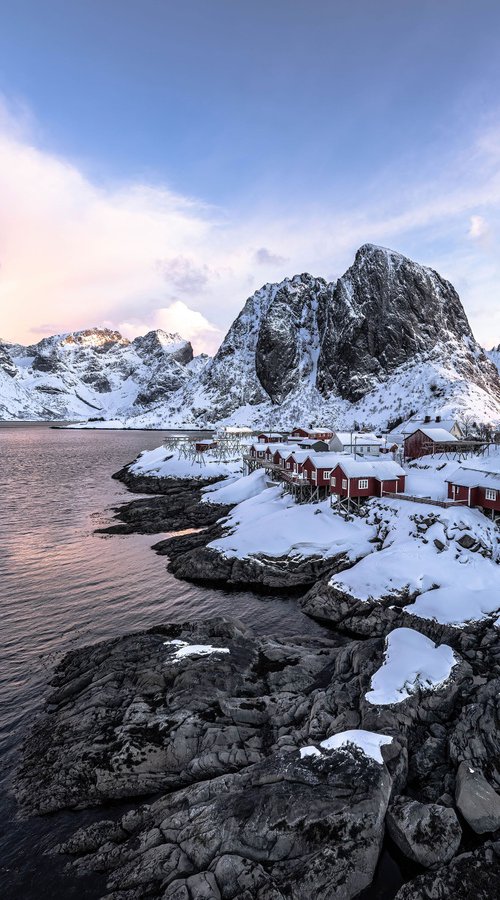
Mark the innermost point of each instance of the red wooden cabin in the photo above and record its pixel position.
(269, 437)
(354, 479)
(427, 440)
(475, 487)
(318, 468)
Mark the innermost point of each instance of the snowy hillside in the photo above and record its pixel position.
(93, 373)
(388, 339)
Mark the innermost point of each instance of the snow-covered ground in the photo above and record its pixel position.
(272, 523)
(411, 662)
(369, 742)
(454, 584)
(163, 463)
(447, 558)
(236, 490)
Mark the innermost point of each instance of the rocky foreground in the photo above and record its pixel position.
(230, 733)
(275, 768)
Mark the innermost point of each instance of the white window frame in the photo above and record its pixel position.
(362, 484)
(327, 473)
(344, 484)
(313, 475)
(490, 494)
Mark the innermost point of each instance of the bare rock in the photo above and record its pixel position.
(426, 833)
(476, 799)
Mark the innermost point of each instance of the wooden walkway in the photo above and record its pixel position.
(445, 504)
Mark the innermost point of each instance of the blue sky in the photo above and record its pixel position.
(244, 141)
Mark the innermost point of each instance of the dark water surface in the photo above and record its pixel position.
(62, 586)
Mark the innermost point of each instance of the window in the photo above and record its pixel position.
(344, 484)
(362, 483)
(327, 473)
(313, 474)
(490, 494)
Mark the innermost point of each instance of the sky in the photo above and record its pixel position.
(160, 161)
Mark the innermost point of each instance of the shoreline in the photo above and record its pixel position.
(215, 720)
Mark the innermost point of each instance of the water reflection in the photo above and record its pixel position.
(63, 586)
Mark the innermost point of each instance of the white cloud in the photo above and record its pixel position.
(140, 256)
(181, 319)
(478, 227)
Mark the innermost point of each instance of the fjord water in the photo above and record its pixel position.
(63, 586)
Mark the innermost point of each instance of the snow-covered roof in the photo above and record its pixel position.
(466, 477)
(411, 425)
(358, 437)
(262, 446)
(383, 470)
(309, 441)
(324, 460)
(438, 435)
(277, 434)
(299, 455)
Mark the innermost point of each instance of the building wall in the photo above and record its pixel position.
(414, 445)
(487, 504)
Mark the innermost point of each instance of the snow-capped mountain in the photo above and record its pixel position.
(387, 339)
(93, 373)
(390, 338)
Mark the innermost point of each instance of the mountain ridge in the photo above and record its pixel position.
(388, 337)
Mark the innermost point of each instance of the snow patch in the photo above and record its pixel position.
(184, 649)
(411, 662)
(369, 742)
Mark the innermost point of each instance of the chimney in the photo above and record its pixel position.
(427, 419)
(438, 418)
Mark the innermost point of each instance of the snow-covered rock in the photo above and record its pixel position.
(95, 373)
(411, 662)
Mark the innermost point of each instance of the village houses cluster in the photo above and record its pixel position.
(349, 467)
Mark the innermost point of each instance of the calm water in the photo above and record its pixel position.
(63, 586)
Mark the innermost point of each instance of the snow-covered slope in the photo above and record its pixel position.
(388, 339)
(93, 373)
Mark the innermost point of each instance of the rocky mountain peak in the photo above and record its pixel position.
(95, 338)
(159, 343)
(386, 309)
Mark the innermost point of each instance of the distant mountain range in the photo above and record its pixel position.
(390, 337)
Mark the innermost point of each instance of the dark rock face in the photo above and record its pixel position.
(476, 799)
(159, 344)
(344, 338)
(428, 834)
(280, 829)
(385, 310)
(175, 505)
(471, 875)
(6, 363)
(288, 341)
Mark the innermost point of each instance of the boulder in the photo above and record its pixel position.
(290, 827)
(425, 832)
(471, 875)
(476, 799)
